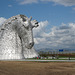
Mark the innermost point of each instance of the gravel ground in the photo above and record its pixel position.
(36, 68)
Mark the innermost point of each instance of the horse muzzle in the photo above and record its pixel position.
(30, 45)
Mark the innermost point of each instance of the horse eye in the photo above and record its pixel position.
(23, 19)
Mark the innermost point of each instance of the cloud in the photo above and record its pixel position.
(62, 2)
(9, 5)
(22, 2)
(39, 30)
(58, 37)
(73, 8)
(2, 19)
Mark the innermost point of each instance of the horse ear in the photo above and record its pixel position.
(30, 18)
(34, 23)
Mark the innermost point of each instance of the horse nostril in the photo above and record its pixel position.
(31, 44)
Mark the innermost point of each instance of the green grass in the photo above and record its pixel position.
(49, 59)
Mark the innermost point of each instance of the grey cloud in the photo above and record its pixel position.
(64, 27)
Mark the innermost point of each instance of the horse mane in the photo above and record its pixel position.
(8, 21)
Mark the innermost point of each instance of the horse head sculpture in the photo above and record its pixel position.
(25, 30)
(18, 30)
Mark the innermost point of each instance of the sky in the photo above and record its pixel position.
(56, 20)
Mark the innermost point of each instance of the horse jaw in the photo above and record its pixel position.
(28, 43)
